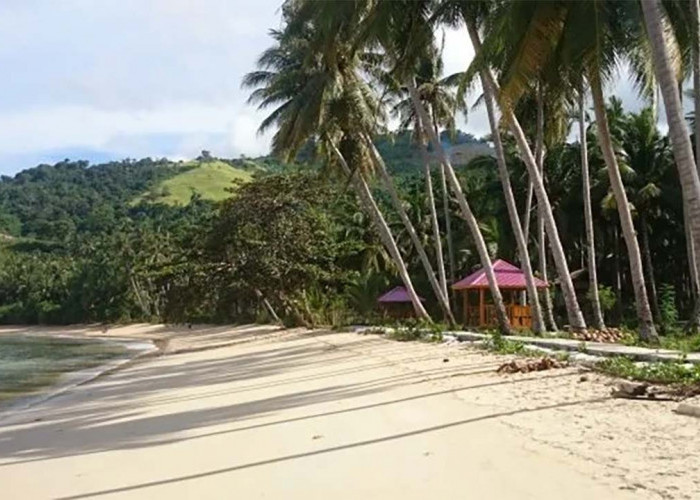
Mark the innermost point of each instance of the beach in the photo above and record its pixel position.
(260, 412)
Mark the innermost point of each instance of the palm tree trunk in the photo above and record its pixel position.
(576, 321)
(527, 215)
(538, 325)
(649, 265)
(693, 263)
(678, 133)
(448, 216)
(502, 317)
(618, 275)
(383, 229)
(398, 206)
(647, 331)
(433, 212)
(541, 234)
(448, 223)
(598, 320)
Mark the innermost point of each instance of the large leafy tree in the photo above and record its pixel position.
(317, 94)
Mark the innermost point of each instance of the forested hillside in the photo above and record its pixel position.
(155, 239)
(55, 201)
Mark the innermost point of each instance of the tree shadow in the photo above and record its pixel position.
(368, 442)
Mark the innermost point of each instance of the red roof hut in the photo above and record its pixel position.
(396, 303)
(511, 282)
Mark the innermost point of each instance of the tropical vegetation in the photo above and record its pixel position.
(367, 190)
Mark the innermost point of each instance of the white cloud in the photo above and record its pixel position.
(145, 77)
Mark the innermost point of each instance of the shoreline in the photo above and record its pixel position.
(135, 349)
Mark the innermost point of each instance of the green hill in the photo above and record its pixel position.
(210, 180)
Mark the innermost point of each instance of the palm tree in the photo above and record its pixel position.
(598, 320)
(309, 102)
(557, 38)
(575, 316)
(648, 158)
(436, 96)
(403, 29)
(440, 292)
(664, 57)
(523, 254)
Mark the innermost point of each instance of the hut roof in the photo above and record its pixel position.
(507, 276)
(397, 294)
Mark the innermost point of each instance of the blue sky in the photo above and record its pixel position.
(110, 79)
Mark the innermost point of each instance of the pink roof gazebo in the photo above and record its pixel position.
(508, 278)
(397, 303)
(396, 295)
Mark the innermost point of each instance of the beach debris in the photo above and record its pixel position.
(688, 410)
(446, 360)
(632, 390)
(531, 365)
(608, 335)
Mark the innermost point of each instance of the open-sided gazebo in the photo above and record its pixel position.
(396, 303)
(511, 282)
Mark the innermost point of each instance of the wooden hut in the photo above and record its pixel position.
(396, 303)
(478, 307)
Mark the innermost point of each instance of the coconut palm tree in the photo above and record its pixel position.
(556, 37)
(665, 58)
(598, 320)
(403, 29)
(440, 100)
(310, 100)
(471, 18)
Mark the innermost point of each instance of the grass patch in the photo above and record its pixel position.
(412, 329)
(209, 180)
(668, 372)
(675, 339)
(30, 363)
(498, 344)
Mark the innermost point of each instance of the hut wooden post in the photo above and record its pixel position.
(466, 306)
(482, 311)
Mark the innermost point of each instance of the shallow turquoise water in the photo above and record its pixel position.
(29, 363)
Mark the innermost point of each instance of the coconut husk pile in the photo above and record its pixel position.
(609, 335)
(527, 365)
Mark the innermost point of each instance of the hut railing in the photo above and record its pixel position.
(519, 316)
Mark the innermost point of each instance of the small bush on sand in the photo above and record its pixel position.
(670, 372)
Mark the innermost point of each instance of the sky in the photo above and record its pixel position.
(112, 79)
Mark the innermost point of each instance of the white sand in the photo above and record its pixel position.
(298, 415)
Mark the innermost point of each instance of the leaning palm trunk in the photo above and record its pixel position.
(446, 209)
(649, 266)
(576, 321)
(598, 321)
(528, 210)
(433, 212)
(448, 222)
(541, 234)
(501, 315)
(396, 201)
(692, 252)
(678, 133)
(647, 331)
(382, 227)
(538, 320)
